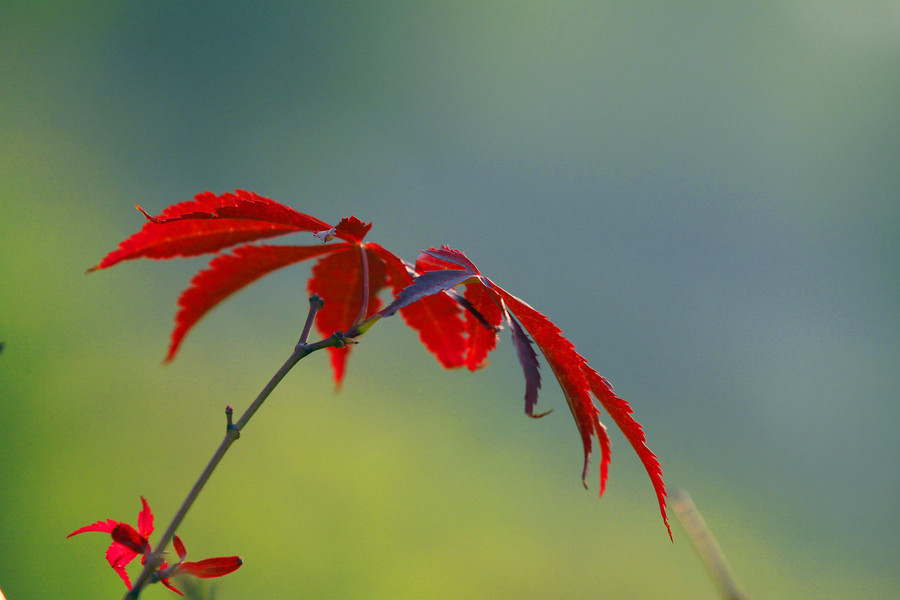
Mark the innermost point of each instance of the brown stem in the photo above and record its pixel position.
(232, 433)
(315, 305)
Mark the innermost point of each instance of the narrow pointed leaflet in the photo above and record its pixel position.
(210, 223)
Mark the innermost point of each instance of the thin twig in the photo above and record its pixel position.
(232, 433)
(315, 305)
(705, 544)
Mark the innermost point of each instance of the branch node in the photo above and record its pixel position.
(230, 426)
(342, 340)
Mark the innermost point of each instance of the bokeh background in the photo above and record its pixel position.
(702, 195)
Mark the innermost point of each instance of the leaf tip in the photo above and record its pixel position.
(539, 415)
(170, 355)
(146, 215)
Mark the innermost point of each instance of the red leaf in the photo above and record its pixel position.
(118, 557)
(126, 535)
(566, 364)
(102, 526)
(435, 318)
(211, 567)
(127, 542)
(578, 381)
(440, 328)
(620, 412)
(228, 273)
(166, 582)
(441, 258)
(483, 328)
(210, 223)
(431, 282)
(352, 229)
(445, 268)
(145, 519)
(340, 280)
(179, 547)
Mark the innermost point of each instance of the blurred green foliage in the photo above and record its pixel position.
(702, 195)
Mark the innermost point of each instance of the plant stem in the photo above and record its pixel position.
(706, 546)
(232, 433)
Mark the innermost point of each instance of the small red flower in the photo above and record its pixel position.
(129, 542)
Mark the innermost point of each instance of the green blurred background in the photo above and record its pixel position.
(702, 195)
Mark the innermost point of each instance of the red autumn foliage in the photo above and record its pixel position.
(450, 268)
(129, 543)
(346, 272)
(460, 329)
